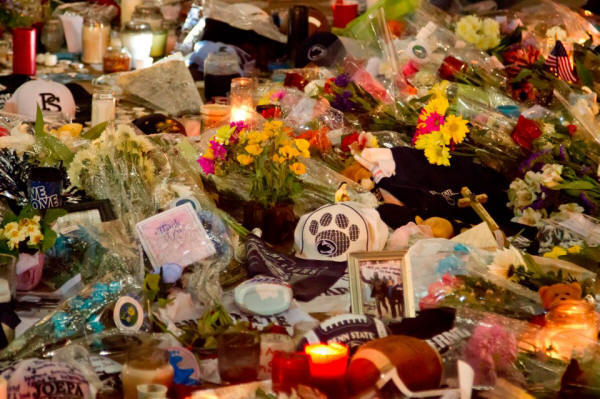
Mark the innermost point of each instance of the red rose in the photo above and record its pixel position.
(450, 67)
(327, 88)
(348, 140)
(525, 132)
(572, 129)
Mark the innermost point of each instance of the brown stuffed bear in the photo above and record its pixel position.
(554, 295)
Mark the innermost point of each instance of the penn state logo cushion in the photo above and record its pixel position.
(334, 231)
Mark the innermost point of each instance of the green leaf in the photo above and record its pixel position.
(53, 214)
(576, 185)
(95, 131)
(39, 121)
(49, 239)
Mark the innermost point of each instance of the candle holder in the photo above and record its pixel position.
(328, 364)
(239, 355)
(241, 98)
(570, 326)
(289, 370)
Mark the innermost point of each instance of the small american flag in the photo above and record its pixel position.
(559, 63)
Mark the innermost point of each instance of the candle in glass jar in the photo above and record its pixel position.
(327, 360)
(241, 98)
(103, 106)
(146, 366)
(95, 39)
(289, 370)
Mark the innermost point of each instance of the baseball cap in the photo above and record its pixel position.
(50, 96)
(334, 231)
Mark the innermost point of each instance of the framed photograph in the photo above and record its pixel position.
(380, 285)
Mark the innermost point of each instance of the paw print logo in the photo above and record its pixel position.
(333, 242)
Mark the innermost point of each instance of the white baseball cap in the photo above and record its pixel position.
(334, 231)
(50, 96)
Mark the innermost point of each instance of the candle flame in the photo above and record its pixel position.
(326, 349)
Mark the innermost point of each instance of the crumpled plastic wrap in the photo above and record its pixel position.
(71, 318)
(447, 273)
(124, 168)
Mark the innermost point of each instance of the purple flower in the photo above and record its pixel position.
(343, 103)
(207, 165)
(532, 161)
(342, 80)
(561, 151)
(589, 205)
(219, 150)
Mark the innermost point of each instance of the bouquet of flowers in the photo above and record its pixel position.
(438, 133)
(28, 231)
(271, 156)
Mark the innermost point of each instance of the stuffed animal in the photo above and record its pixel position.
(554, 295)
(440, 227)
(359, 174)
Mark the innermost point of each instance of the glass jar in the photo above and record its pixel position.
(127, 9)
(150, 14)
(171, 27)
(53, 36)
(116, 58)
(146, 365)
(570, 326)
(241, 98)
(95, 38)
(103, 106)
(238, 356)
(219, 69)
(137, 38)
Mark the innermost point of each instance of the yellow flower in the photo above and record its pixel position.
(575, 249)
(289, 152)
(455, 128)
(303, 146)
(439, 89)
(278, 159)
(35, 239)
(556, 253)
(253, 149)
(298, 168)
(435, 147)
(244, 159)
(273, 125)
(438, 104)
(209, 154)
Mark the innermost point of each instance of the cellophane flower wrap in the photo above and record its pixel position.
(123, 167)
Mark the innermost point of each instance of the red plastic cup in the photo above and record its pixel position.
(24, 51)
(343, 13)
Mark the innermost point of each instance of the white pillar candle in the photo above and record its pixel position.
(95, 38)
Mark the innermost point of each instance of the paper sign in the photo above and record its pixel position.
(175, 236)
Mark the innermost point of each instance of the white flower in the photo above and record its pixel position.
(503, 260)
(312, 88)
(571, 207)
(551, 175)
(529, 217)
(534, 181)
(556, 33)
(520, 194)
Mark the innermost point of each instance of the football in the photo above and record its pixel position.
(352, 330)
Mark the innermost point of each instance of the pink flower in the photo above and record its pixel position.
(491, 351)
(219, 150)
(433, 122)
(207, 165)
(278, 95)
(436, 292)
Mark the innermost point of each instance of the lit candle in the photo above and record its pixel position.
(241, 98)
(570, 326)
(328, 364)
(289, 370)
(327, 360)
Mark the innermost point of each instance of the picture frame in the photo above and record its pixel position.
(381, 285)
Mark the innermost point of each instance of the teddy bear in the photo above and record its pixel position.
(556, 294)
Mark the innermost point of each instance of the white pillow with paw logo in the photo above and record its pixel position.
(334, 231)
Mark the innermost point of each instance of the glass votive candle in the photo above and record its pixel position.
(328, 365)
(289, 370)
(238, 355)
(269, 344)
(146, 365)
(241, 98)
